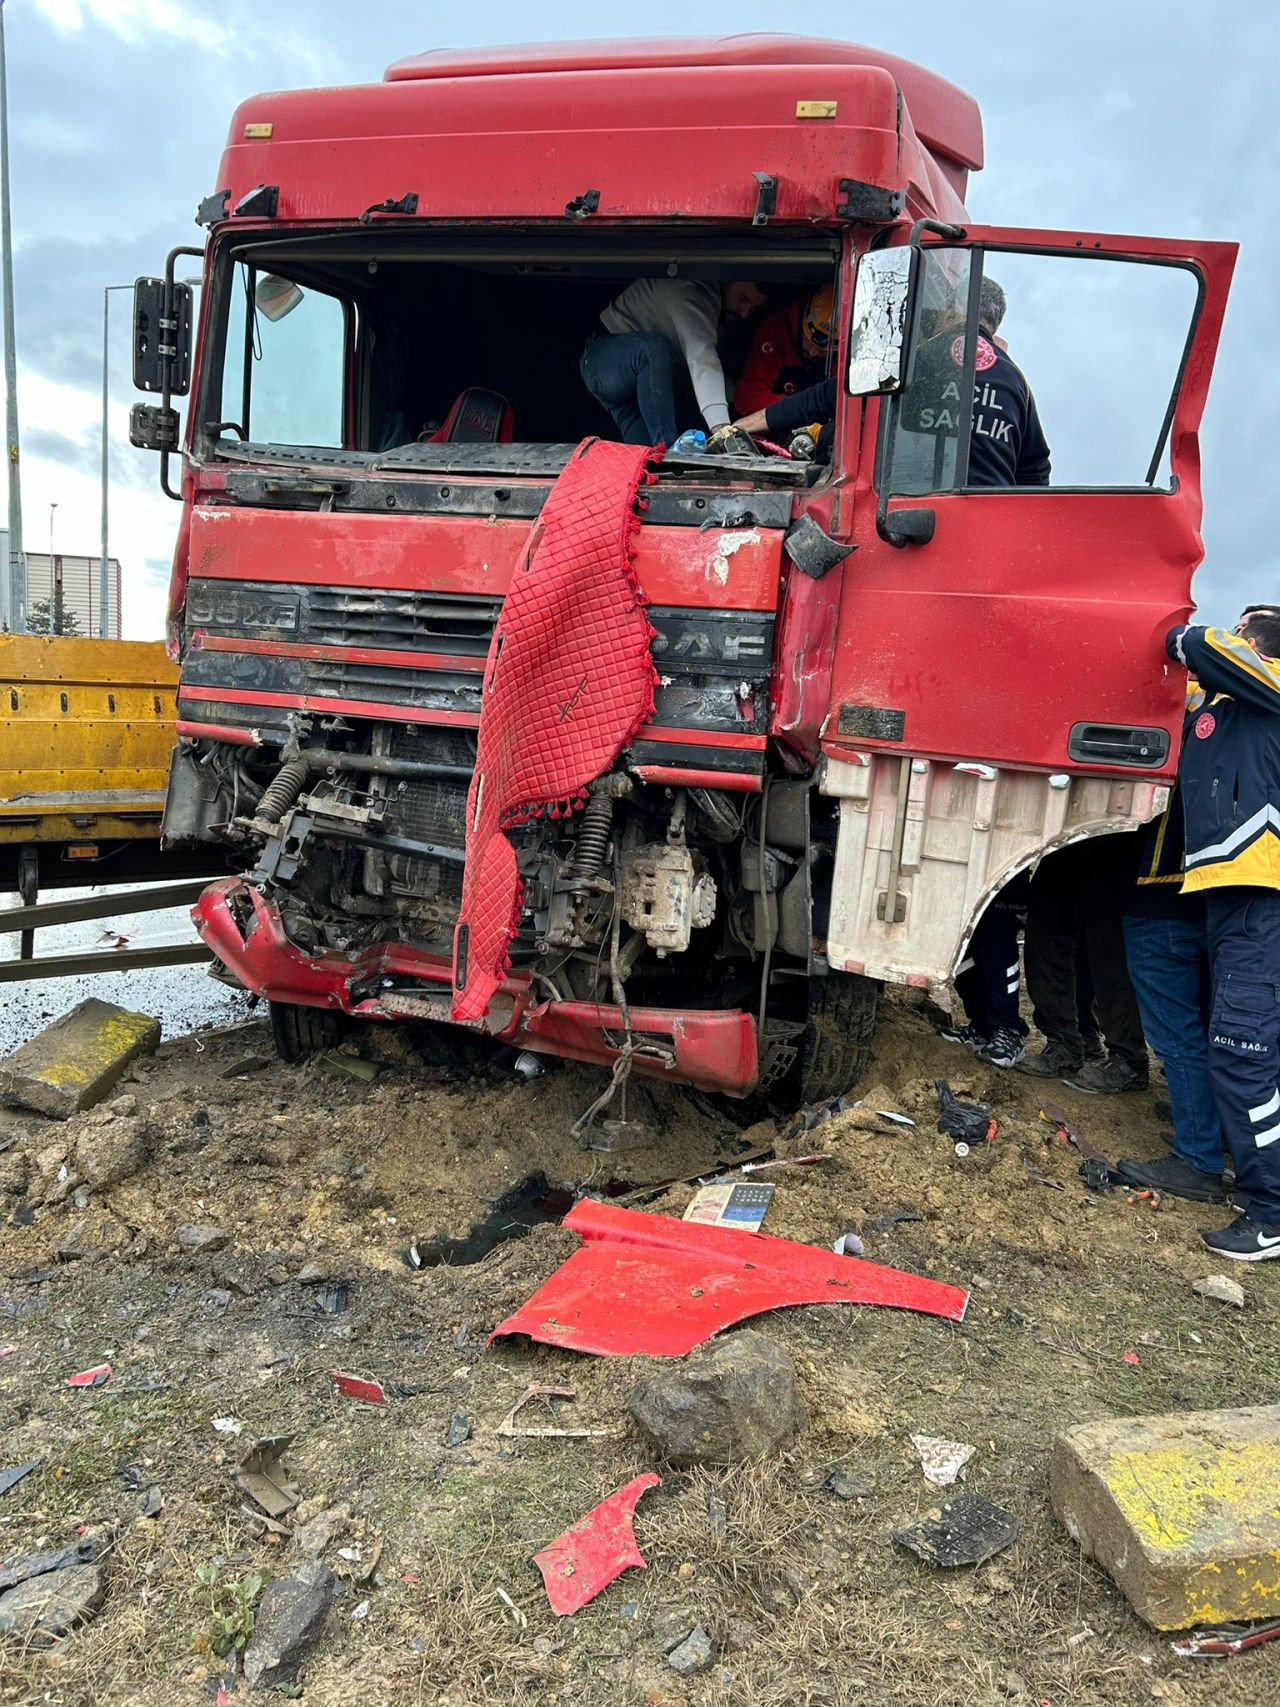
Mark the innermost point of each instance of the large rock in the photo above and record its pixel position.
(195, 1239)
(1181, 1510)
(107, 1154)
(290, 1619)
(734, 1399)
(47, 1606)
(74, 1062)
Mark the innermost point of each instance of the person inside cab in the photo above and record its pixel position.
(791, 351)
(631, 361)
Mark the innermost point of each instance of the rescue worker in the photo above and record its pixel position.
(1229, 778)
(1007, 445)
(630, 361)
(789, 352)
(1167, 944)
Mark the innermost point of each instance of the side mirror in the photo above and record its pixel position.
(162, 336)
(877, 336)
(275, 297)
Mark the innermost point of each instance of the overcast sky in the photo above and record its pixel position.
(1147, 116)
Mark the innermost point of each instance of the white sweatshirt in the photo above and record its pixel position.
(687, 312)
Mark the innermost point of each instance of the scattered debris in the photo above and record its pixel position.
(45, 1607)
(77, 1060)
(459, 1429)
(13, 1475)
(784, 1162)
(726, 1204)
(94, 1236)
(291, 1616)
(846, 1485)
(815, 1113)
(648, 1283)
(227, 1425)
(346, 1066)
(86, 1551)
(528, 1065)
(967, 1530)
(894, 1119)
(886, 1223)
(1179, 1509)
(262, 1475)
(332, 1299)
(362, 1610)
(360, 1387)
(1095, 1170)
(151, 1504)
(942, 1460)
(508, 1424)
(315, 1537)
(112, 1152)
(1221, 1287)
(195, 1239)
(95, 1377)
(595, 1550)
(694, 1654)
(965, 1123)
(1222, 1643)
(1131, 1357)
(250, 1064)
(731, 1401)
(848, 1245)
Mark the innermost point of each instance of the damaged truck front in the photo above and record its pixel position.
(883, 689)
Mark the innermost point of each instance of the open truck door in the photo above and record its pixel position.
(1000, 684)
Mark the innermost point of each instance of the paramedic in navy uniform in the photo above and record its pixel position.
(1229, 779)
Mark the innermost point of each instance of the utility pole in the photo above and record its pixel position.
(15, 580)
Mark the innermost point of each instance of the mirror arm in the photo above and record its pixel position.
(939, 228)
(167, 325)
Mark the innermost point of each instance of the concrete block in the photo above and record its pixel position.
(74, 1062)
(1183, 1511)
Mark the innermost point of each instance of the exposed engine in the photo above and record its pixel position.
(649, 894)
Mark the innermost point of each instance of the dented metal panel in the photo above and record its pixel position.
(961, 831)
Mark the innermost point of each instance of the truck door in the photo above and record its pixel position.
(1015, 612)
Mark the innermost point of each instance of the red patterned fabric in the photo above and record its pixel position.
(569, 681)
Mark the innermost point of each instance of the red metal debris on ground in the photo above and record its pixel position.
(91, 1377)
(360, 1387)
(593, 1551)
(650, 1284)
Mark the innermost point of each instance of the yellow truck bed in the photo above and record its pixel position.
(86, 730)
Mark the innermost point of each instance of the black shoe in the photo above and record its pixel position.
(1051, 1062)
(1114, 1076)
(1170, 1174)
(969, 1035)
(1245, 1240)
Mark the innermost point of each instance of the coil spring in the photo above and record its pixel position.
(283, 789)
(593, 836)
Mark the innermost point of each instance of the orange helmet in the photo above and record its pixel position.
(817, 317)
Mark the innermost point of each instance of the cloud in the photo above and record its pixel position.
(1099, 117)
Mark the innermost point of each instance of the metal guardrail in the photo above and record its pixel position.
(26, 920)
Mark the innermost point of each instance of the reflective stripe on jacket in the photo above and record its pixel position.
(1229, 772)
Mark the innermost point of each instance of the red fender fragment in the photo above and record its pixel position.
(588, 1555)
(654, 1285)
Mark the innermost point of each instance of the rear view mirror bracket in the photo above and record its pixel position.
(162, 314)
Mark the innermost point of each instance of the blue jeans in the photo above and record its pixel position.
(1169, 970)
(1244, 1040)
(632, 375)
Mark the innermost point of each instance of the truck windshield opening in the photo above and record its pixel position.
(349, 348)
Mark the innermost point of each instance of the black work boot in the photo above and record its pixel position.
(1051, 1062)
(1171, 1175)
(1113, 1076)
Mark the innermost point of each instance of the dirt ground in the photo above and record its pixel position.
(808, 1600)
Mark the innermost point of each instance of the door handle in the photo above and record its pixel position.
(1117, 744)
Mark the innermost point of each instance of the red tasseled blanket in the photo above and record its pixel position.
(569, 681)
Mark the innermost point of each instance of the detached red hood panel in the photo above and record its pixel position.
(652, 1285)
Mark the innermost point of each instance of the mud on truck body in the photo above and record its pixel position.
(882, 691)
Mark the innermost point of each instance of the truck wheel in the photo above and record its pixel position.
(299, 1032)
(839, 1026)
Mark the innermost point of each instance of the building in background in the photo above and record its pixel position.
(68, 582)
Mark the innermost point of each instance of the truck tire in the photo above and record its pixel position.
(839, 1025)
(299, 1032)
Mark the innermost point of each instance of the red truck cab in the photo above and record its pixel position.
(885, 688)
